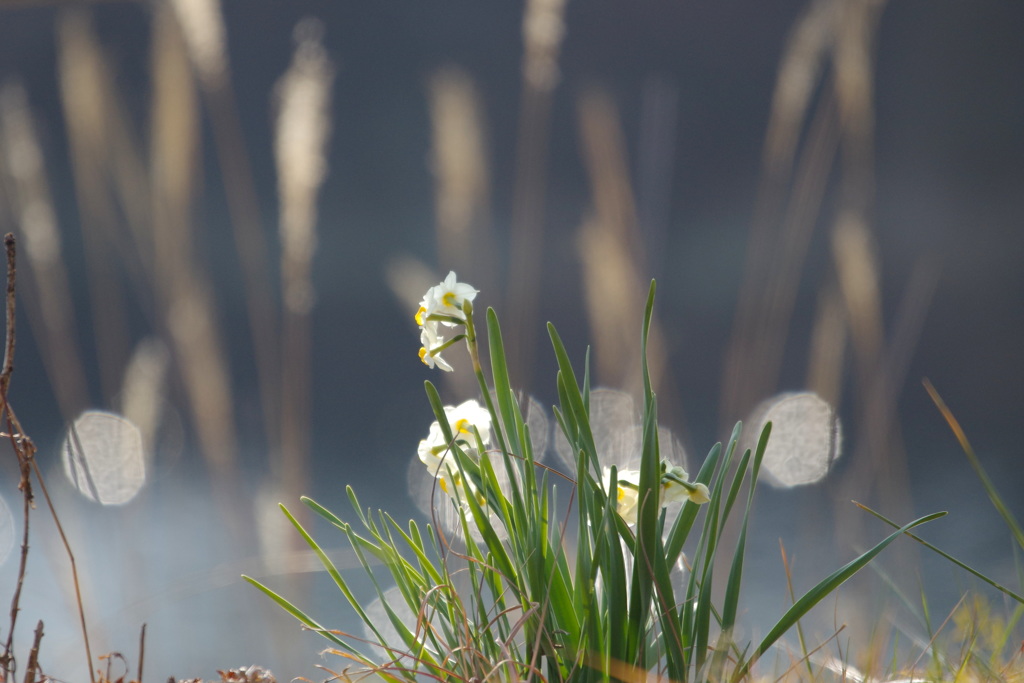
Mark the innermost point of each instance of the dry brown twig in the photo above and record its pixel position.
(25, 450)
(33, 655)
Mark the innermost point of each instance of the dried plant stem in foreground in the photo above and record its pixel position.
(23, 454)
(25, 451)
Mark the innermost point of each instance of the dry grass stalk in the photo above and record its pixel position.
(609, 277)
(196, 340)
(543, 31)
(857, 269)
(880, 460)
(828, 348)
(610, 250)
(143, 390)
(203, 28)
(767, 299)
(88, 97)
(174, 157)
(462, 177)
(183, 292)
(609, 265)
(779, 239)
(25, 451)
(826, 69)
(799, 72)
(301, 135)
(110, 175)
(854, 71)
(751, 366)
(205, 37)
(51, 315)
(462, 191)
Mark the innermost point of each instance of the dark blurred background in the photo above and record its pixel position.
(830, 195)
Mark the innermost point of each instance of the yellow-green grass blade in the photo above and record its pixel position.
(990, 488)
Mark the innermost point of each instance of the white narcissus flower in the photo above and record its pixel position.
(674, 492)
(467, 415)
(433, 449)
(445, 299)
(628, 494)
(430, 340)
(674, 488)
(465, 419)
(435, 454)
(699, 494)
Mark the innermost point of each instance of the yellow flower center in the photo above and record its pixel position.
(448, 298)
(419, 316)
(423, 356)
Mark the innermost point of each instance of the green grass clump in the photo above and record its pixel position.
(520, 601)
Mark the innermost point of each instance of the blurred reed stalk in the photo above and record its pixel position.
(462, 185)
(94, 118)
(879, 460)
(779, 235)
(301, 134)
(613, 257)
(543, 30)
(182, 287)
(821, 120)
(111, 187)
(828, 347)
(143, 391)
(202, 24)
(138, 223)
(49, 296)
(462, 179)
(50, 308)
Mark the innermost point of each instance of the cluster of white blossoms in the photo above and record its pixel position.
(447, 306)
(675, 487)
(442, 305)
(467, 420)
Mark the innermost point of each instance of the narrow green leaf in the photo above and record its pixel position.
(438, 407)
(644, 334)
(684, 521)
(574, 401)
(649, 507)
(502, 384)
(732, 592)
(926, 544)
(822, 590)
(300, 615)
